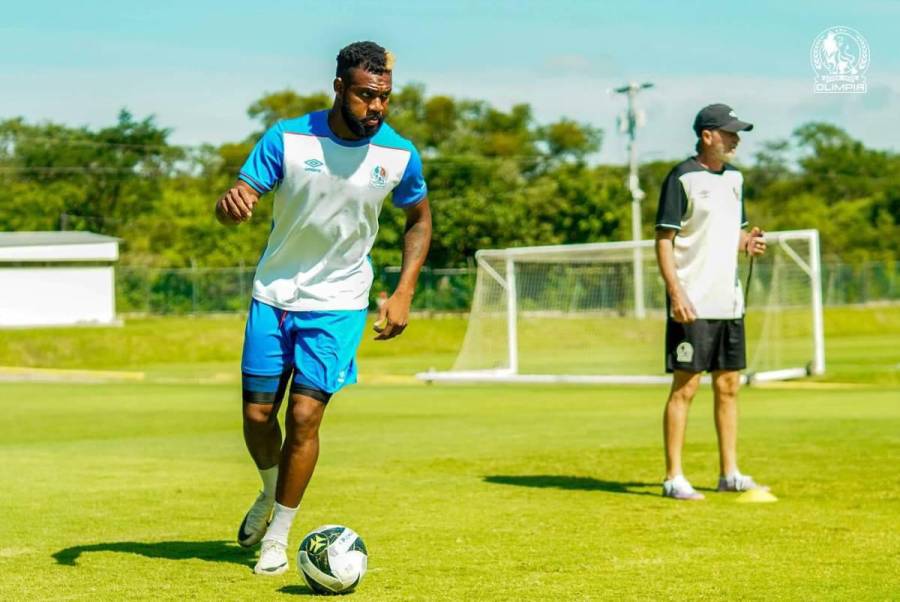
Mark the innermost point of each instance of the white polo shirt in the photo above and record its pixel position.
(328, 195)
(706, 209)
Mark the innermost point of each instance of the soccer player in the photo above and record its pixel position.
(699, 233)
(331, 171)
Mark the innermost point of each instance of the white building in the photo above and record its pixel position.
(56, 278)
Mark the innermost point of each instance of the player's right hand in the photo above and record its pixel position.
(683, 310)
(236, 205)
(393, 316)
(756, 242)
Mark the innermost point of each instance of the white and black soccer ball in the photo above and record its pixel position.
(332, 559)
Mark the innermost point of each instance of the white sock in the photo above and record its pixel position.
(269, 478)
(733, 474)
(280, 526)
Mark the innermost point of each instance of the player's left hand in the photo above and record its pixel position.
(393, 316)
(756, 242)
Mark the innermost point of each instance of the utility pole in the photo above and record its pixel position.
(632, 120)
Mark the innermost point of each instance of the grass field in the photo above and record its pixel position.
(135, 490)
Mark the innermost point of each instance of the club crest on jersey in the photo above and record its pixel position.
(684, 352)
(313, 165)
(378, 178)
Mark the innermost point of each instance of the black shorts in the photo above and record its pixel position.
(705, 345)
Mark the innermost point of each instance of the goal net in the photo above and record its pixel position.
(578, 313)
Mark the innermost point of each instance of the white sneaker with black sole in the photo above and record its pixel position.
(739, 482)
(255, 522)
(679, 488)
(272, 558)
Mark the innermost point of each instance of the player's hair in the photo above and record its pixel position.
(368, 56)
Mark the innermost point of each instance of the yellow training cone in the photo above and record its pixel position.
(756, 496)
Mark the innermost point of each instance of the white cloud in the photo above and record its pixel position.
(210, 105)
(775, 105)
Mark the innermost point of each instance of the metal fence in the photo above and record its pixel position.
(216, 290)
(845, 284)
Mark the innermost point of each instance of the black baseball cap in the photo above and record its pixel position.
(719, 117)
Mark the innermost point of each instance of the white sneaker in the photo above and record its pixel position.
(255, 521)
(739, 482)
(272, 558)
(680, 489)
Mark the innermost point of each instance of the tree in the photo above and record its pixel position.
(275, 106)
(496, 178)
(105, 178)
(822, 178)
(567, 139)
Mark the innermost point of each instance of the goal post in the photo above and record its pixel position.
(568, 314)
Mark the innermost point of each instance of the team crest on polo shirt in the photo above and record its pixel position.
(378, 179)
(684, 352)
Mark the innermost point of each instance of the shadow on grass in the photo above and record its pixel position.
(572, 483)
(302, 590)
(296, 590)
(211, 551)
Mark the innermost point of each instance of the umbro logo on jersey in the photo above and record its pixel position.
(313, 165)
(703, 194)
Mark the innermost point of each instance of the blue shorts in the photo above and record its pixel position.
(318, 347)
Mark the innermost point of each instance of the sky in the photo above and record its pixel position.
(197, 65)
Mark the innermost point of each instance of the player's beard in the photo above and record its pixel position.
(725, 156)
(358, 126)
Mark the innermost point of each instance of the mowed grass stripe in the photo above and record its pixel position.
(862, 346)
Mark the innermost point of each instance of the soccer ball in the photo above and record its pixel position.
(332, 559)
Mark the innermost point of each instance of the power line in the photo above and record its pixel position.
(53, 140)
(76, 169)
(61, 141)
(451, 159)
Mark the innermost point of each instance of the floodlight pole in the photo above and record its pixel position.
(637, 195)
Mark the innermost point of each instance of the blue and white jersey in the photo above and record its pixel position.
(328, 194)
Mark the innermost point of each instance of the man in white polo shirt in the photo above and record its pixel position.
(330, 172)
(699, 233)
